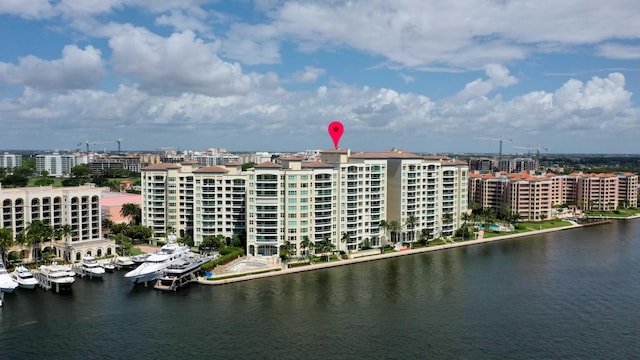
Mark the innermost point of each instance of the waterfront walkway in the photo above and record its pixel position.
(405, 252)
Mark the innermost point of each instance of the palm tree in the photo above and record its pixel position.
(21, 239)
(37, 232)
(425, 234)
(123, 242)
(64, 233)
(305, 244)
(285, 250)
(6, 240)
(107, 225)
(131, 211)
(447, 219)
(346, 238)
(395, 227)
(411, 223)
(384, 226)
(326, 246)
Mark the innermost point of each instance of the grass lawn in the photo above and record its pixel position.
(527, 226)
(622, 213)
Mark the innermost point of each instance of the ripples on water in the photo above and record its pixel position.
(571, 294)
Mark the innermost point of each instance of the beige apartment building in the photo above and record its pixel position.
(77, 206)
(343, 198)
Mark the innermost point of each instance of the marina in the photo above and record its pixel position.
(155, 264)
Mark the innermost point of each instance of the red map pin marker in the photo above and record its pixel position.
(335, 131)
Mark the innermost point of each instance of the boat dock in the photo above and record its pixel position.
(173, 283)
(180, 273)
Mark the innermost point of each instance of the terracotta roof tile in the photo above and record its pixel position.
(161, 166)
(211, 169)
(317, 165)
(268, 165)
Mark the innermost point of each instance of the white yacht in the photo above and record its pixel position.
(7, 284)
(59, 278)
(155, 264)
(90, 267)
(123, 262)
(24, 278)
(181, 272)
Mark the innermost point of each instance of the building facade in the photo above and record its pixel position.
(533, 197)
(344, 198)
(78, 207)
(10, 161)
(56, 164)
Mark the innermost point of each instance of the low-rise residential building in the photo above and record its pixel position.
(78, 207)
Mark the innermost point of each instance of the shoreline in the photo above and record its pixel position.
(345, 262)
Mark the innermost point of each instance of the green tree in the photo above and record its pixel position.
(285, 250)
(6, 240)
(326, 247)
(346, 238)
(81, 171)
(248, 165)
(384, 226)
(394, 227)
(425, 235)
(43, 181)
(37, 232)
(65, 233)
(123, 243)
(306, 244)
(132, 212)
(411, 223)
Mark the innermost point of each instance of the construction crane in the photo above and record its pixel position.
(530, 148)
(500, 139)
(87, 143)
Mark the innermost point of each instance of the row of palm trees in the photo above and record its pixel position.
(34, 234)
(396, 229)
(325, 246)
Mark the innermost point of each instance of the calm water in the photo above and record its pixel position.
(572, 294)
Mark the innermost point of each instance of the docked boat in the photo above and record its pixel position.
(108, 266)
(24, 278)
(59, 278)
(90, 267)
(139, 259)
(123, 262)
(7, 284)
(156, 263)
(180, 273)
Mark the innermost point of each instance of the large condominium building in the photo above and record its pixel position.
(77, 206)
(10, 161)
(533, 197)
(56, 164)
(219, 195)
(628, 190)
(343, 198)
(165, 190)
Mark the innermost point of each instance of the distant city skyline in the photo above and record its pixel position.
(271, 75)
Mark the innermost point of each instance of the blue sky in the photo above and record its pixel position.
(425, 76)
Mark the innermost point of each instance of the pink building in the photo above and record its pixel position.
(533, 197)
(112, 202)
